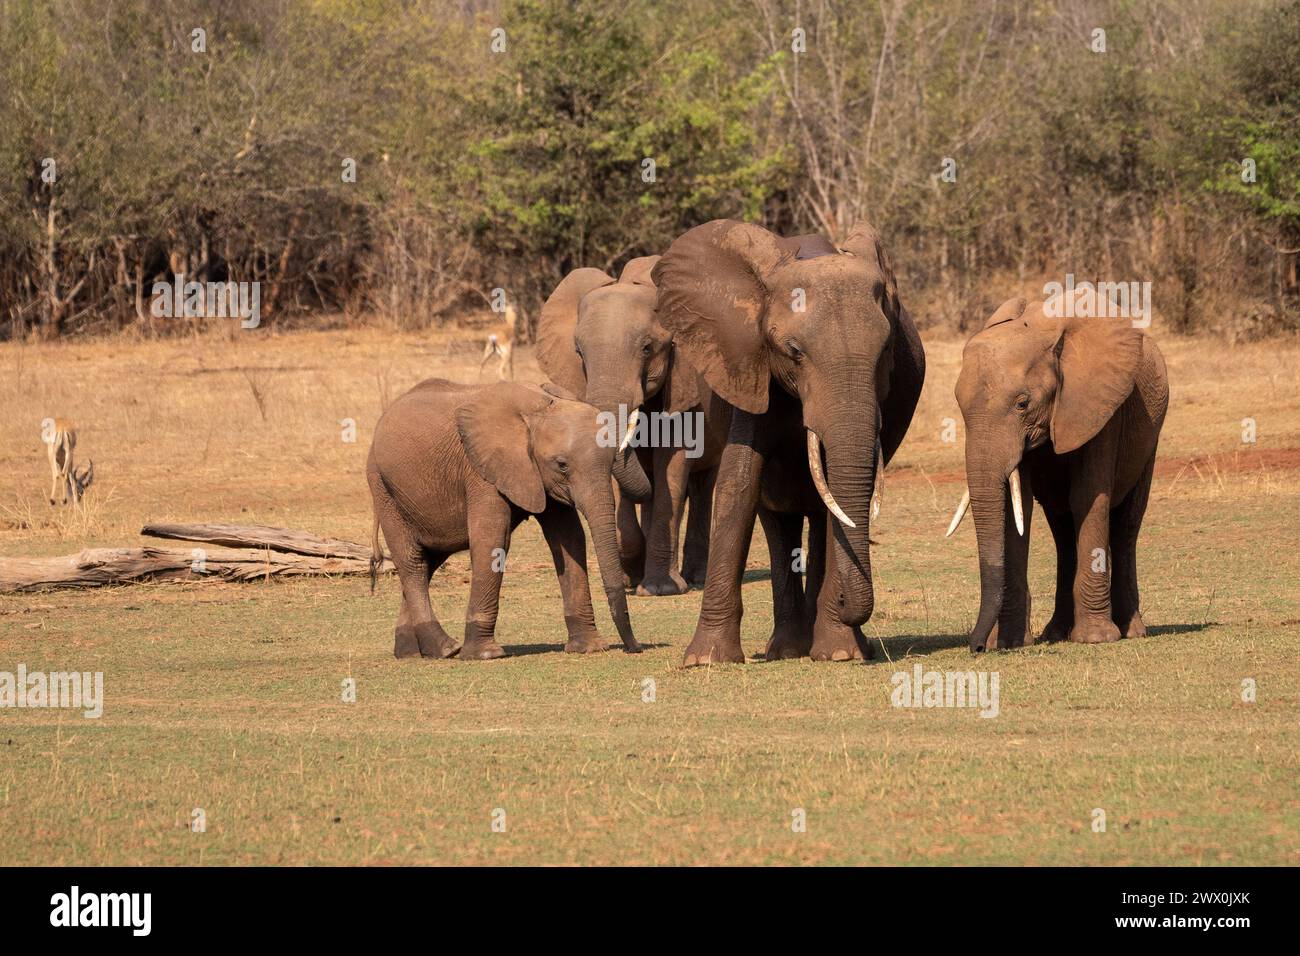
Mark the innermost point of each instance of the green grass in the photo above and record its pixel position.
(229, 699)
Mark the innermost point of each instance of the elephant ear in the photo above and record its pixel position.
(1007, 311)
(906, 378)
(637, 272)
(1098, 361)
(493, 428)
(865, 242)
(555, 326)
(685, 385)
(810, 246)
(550, 388)
(713, 299)
(907, 359)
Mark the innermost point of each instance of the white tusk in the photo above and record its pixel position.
(878, 493)
(631, 428)
(961, 512)
(1017, 508)
(819, 479)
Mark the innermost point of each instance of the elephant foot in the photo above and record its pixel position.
(715, 646)
(485, 649)
(656, 584)
(1094, 631)
(590, 643)
(789, 640)
(835, 641)
(1015, 634)
(405, 643)
(694, 573)
(633, 569)
(1057, 629)
(1133, 627)
(435, 643)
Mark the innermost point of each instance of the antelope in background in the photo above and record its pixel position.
(59, 447)
(501, 341)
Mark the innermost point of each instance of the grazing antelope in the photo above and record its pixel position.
(501, 341)
(59, 448)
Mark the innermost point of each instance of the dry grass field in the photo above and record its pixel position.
(228, 697)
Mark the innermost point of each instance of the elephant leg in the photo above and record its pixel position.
(1012, 629)
(833, 640)
(671, 473)
(568, 543)
(631, 541)
(791, 630)
(717, 634)
(1062, 525)
(418, 630)
(1092, 617)
(695, 553)
(489, 544)
(1125, 523)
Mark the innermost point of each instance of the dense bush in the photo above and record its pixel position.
(481, 168)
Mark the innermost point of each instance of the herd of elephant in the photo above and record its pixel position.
(805, 369)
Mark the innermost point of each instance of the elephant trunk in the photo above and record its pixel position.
(988, 502)
(597, 506)
(851, 458)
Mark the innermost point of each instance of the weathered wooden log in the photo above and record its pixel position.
(95, 567)
(259, 536)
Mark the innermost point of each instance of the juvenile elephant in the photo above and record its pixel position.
(1068, 412)
(461, 466)
(811, 346)
(600, 339)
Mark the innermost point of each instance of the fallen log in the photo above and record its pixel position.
(259, 536)
(95, 567)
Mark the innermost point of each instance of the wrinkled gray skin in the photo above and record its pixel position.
(599, 338)
(1076, 405)
(456, 467)
(800, 337)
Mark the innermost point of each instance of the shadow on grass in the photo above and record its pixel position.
(525, 650)
(1159, 630)
(921, 644)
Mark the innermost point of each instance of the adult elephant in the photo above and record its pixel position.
(811, 346)
(600, 339)
(1068, 412)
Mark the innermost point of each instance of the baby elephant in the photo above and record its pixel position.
(460, 466)
(1065, 411)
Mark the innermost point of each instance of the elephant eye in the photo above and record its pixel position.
(562, 464)
(645, 349)
(1022, 402)
(796, 353)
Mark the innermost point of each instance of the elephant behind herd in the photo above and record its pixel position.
(804, 368)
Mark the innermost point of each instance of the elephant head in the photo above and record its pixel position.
(1027, 379)
(748, 307)
(601, 340)
(534, 444)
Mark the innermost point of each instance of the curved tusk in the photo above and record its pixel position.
(631, 428)
(1017, 508)
(819, 479)
(878, 493)
(961, 513)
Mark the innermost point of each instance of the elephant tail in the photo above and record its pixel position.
(376, 554)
